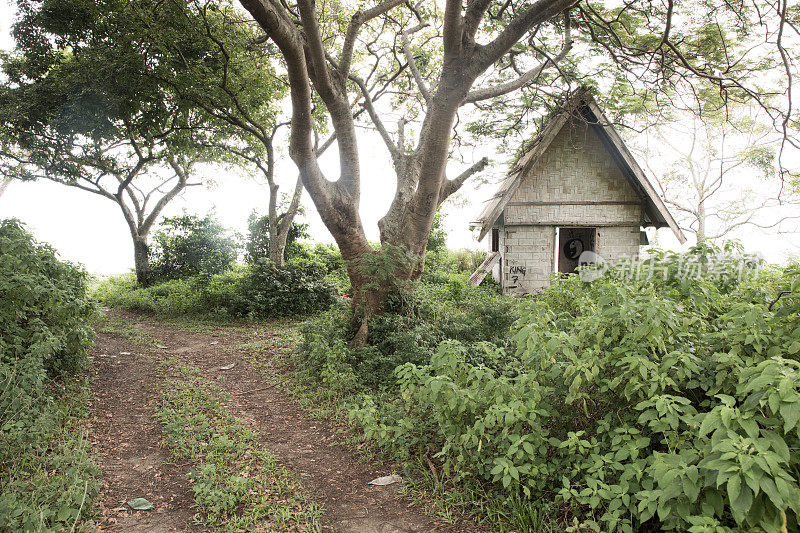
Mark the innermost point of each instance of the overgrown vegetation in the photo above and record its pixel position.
(662, 401)
(195, 263)
(190, 245)
(48, 481)
(237, 484)
(257, 292)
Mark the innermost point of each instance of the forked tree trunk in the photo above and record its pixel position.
(422, 183)
(279, 227)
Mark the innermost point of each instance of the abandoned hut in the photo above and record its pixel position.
(575, 188)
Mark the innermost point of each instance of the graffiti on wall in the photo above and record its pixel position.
(516, 272)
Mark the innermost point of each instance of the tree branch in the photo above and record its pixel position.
(360, 18)
(412, 63)
(505, 88)
(451, 186)
(540, 11)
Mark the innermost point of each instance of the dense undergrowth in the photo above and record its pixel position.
(247, 292)
(48, 479)
(664, 400)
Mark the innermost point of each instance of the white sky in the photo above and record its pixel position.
(89, 229)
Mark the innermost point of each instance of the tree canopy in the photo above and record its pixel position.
(431, 61)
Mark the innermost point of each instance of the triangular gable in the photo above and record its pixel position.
(656, 212)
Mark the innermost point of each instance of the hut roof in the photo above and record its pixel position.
(581, 105)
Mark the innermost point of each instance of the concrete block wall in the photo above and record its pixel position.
(527, 257)
(527, 253)
(617, 243)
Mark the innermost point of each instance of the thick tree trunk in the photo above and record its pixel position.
(701, 221)
(141, 260)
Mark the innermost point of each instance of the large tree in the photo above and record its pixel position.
(439, 60)
(76, 109)
(213, 59)
(142, 86)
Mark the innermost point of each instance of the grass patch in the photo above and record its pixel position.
(238, 485)
(112, 325)
(50, 482)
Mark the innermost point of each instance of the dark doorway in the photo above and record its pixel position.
(572, 242)
(495, 240)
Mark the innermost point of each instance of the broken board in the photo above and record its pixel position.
(477, 277)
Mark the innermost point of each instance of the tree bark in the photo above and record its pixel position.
(701, 221)
(141, 260)
(422, 184)
(4, 185)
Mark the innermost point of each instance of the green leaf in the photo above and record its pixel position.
(742, 504)
(791, 414)
(710, 422)
(140, 504)
(734, 488)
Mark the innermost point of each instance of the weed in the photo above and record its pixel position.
(238, 485)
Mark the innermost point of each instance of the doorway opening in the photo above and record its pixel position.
(571, 243)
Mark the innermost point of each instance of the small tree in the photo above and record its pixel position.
(722, 174)
(258, 244)
(214, 60)
(77, 109)
(189, 245)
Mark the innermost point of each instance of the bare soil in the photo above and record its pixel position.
(136, 465)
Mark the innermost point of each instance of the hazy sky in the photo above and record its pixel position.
(88, 229)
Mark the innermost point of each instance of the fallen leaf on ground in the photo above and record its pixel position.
(225, 367)
(140, 504)
(386, 480)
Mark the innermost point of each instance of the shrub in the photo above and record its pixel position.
(414, 324)
(189, 245)
(257, 291)
(329, 256)
(661, 402)
(299, 288)
(48, 480)
(45, 330)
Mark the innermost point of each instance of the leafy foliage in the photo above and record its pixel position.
(659, 402)
(45, 334)
(189, 245)
(258, 237)
(253, 292)
(299, 288)
(409, 331)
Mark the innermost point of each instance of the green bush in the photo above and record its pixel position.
(661, 402)
(257, 291)
(298, 289)
(45, 330)
(410, 330)
(189, 245)
(197, 295)
(45, 333)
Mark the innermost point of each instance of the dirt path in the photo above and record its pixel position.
(333, 474)
(127, 440)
